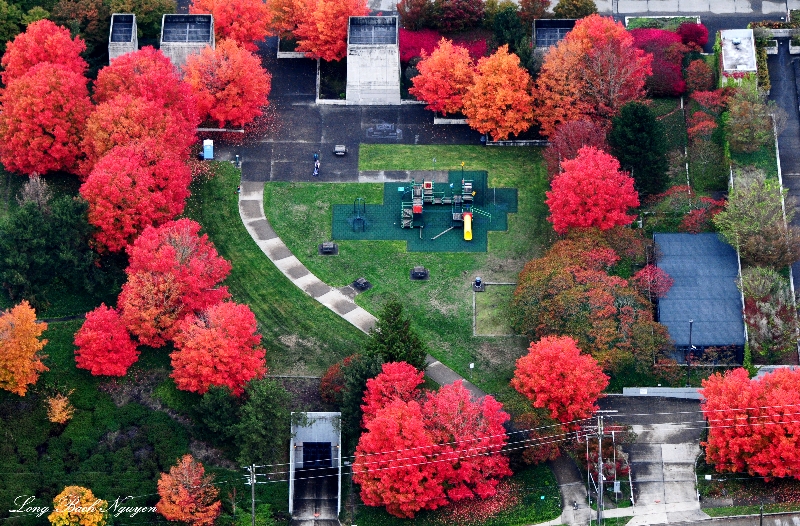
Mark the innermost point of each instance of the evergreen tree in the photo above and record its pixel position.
(356, 373)
(394, 340)
(264, 425)
(216, 416)
(508, 28)
(637, 141)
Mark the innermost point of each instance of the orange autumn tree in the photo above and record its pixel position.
(59, 408)
(77, 506)
(499, 101)
(322, 27)
(590, 74)
(444, 77)
(188, 495)
(20, 361)
(245, 21)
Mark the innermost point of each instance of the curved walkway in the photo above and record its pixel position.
(251, 210)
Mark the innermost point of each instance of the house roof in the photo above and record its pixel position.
(705, 271)
(187, 28)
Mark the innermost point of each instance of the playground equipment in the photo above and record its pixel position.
(467, 226)
(359, 214)
(424, 193)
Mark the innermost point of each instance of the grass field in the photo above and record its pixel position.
(491, 309)
(441, 308)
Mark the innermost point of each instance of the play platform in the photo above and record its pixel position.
(430, 216)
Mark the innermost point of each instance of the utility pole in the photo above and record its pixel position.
(599, 470)
(252, 472)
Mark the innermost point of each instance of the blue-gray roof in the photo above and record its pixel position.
(705, 271)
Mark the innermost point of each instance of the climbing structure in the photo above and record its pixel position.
(424, 193)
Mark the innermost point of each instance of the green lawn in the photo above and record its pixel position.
(669, 113)
(301, 336)
(491, 309)
(301, 214)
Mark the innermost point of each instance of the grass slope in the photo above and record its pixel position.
(301, 336)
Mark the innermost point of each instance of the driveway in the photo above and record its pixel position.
(662, 457)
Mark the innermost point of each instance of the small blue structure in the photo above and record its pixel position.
(208, 149)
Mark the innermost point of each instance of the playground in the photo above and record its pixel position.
(430, 216)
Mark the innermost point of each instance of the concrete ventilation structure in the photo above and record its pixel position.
(549, 32)
(315, 470)
(738, 53)
(184, 35)
(373, 61)
(123, 36)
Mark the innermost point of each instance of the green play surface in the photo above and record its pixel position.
(382, 221)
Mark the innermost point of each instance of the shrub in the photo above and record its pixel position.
(332, 385)
(574, 8)
(414, 14)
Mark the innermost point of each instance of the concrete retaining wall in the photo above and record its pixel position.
(689, 393)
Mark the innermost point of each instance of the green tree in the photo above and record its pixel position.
(753, 222)
(574, 8)
(148, 14)
(43, 244)
(356, 373)
(393, 339)
(748, 122)
(507, 26)
(10, 20)
(34, 14)
(264, 422)
(637, 141)
(216, 416)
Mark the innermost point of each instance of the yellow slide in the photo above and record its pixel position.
(467, 226)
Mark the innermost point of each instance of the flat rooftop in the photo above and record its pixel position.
(705, 271)
(738, 50)
(187, 28)
(121, 28)
(368, 30)
(549, 32)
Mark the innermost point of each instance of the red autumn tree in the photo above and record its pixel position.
(591, 192)
(332, 383)
(444, 77)
(104, 345)
(244, 21)
(132, 187)
(695, 35)
(322, 27)
(668, 51)
(43, 41)
(499, 102)
(126, 119)
(397, 381)
(421, 455)
(653, 282)
(753, 424)
(699, 76)
(218, 347)
(43, 118)
(701, 126)
(149, 74)
(188, 495)
(590, 74)
(172, 273)
(530, 10)
(544, 436)
(555, 375)
(470, 435)
(229, 84)
(570, 137)
(392, 462)
(414, 15)
(20, 361)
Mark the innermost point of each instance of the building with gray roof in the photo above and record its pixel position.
(122, 37)
(373, 60)
(184, 35)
